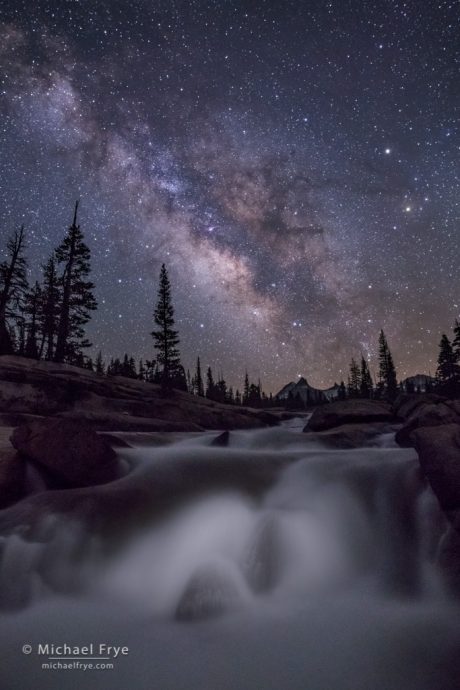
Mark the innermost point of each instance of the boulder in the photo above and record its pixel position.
(406, 404)
(71, 451)
(348, 412)
(352, 435)
(115, 441)
(438, 449)
(425, 414)
(210, 592)
(12, 476)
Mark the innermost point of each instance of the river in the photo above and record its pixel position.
(272, 563)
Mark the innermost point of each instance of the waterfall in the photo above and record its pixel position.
(272, 562)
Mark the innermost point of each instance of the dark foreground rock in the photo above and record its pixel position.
(28, 387)
(71, 451)
(12, 476)
(348, 412)
(438, 448)
(420, 411)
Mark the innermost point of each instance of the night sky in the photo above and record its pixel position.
(295, 165)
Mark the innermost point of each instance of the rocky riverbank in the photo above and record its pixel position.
(30, 389)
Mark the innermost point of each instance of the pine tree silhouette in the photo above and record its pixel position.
(77, 294)
(354, 380)
(99, 366)
(198, 380)
(366, 385)
(388, 384)
(210, 385)
(166, 338)
(49, 309)
(246, 390)
(447, 371)
(13, 285)
(31, 311)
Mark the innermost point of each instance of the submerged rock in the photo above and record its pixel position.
(71, 451)
(262, 562)
(348, 412)
(209, 593)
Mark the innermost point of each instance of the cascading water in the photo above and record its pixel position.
(271, 563)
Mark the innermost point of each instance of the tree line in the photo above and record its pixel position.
(46, 320)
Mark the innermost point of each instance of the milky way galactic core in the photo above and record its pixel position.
(294, 164)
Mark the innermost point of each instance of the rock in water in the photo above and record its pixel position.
(262, 563)
(348, 412)
(352, 435)
(222, 440)
(210, 592)
(71, 451)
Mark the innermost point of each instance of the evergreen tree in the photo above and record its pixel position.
(342, 392)
(166, 338)
(18, 339)
(190, 385)
(78, 360)
(99, 366)
(114, 368)
(89, 364)
(254, 396)
(31, 311)
(49, 309)
(456, 353)
(221, 389)
(246, 389)
(447, 370)
(237, 397)
(77, 294)
(230, 396)
(354, 380)
(150, 368)
(13, 285)
(198, 381)
(210, 385)
(366, 385)
(141, 371)
(456, 341)
(388, 384)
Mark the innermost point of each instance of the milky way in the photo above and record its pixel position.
(295, 165)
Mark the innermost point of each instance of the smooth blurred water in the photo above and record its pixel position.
(272, 563)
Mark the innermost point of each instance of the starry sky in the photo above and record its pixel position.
(294, 164)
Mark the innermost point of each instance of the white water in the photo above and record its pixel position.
(321, 576)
